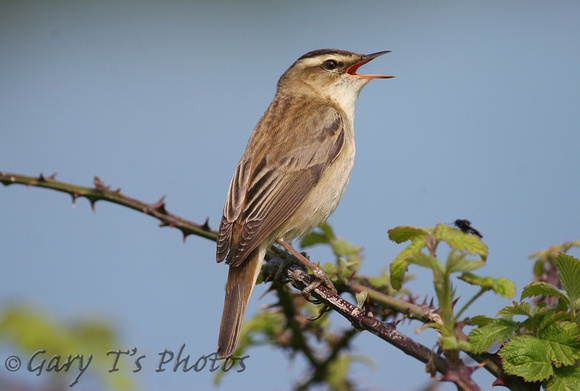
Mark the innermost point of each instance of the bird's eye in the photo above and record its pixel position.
(330, 64)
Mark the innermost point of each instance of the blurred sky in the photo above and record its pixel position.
(159, 98)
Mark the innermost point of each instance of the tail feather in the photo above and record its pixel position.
(241, 281)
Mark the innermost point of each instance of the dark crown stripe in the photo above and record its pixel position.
(320, 52)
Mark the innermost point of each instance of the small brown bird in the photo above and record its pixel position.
(292, 174)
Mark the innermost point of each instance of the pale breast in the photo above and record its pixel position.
(324, 197)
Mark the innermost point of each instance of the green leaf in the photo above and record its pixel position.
(465, 265)
(340, 367)
(381, 280)
(504, 287)
(562, 343)
(327, 230)
(526, 356)
(403, 233)
(546, 317)
(324, 236)
(541, 288)
(345, 248)
(484, 337)
(569, 271)
(361, 298)
(517, 309)
(400, 263)
(538, 268)
(313, 239)
(426, 261)
(29, 330)
(501, 286)
(461, 241)
(481, 320)
(398, 270)
(564, 379)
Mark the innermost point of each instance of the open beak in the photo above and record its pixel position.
(366, 58)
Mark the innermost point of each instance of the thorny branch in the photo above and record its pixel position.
(104, 193)
(298, 277)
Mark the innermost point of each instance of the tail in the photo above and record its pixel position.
(241, 281)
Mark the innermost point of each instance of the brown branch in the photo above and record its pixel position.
(298, 278)
(423, 313)
(387, 332)
(104, 193)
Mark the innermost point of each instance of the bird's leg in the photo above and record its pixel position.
(319, 274)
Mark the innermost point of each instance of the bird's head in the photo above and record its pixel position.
(329, 74)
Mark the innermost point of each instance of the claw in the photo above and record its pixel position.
(321, 312)
(319, 274)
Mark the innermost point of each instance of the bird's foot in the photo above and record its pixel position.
(321, 277)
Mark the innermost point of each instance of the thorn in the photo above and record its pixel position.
(159, 205)
(499, 382)
(185, 234)
(41, 177)
(100, 185)
(205, 225)
(53, 176)
(476, 367)
(367, 308)
(265, 293)
(455, 302)
(396, 322)
(74, 200)
(93, 201)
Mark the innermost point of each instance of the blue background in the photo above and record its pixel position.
(159, 98)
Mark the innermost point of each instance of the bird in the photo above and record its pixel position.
(292, 174)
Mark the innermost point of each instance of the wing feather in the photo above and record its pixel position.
(260, 201)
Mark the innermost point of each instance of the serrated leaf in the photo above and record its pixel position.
(501, 286)
(504, 287)
(482, 338)
(564, 379)
(426, 261)
(546, 317)
(562, 343)
(460, 240)
(517, 309)
(569, 271)
(473, 279)
(481, 320)
(526, 356)
(398, 270)
(403, 233)
(541, 288)
(400, 263)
